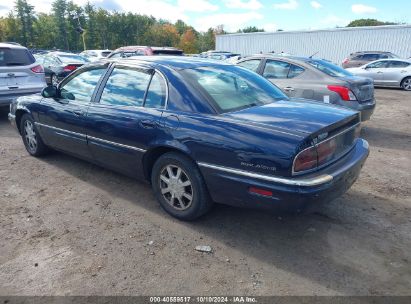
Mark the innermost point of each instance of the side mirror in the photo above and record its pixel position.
(50, 92)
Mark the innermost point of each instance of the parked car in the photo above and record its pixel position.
(221, 56)
(131, 51)
(19, 73)
(315, 79)
(360, 58)
(95, 55)
(58, 65)
(387, 73)
(199, 131)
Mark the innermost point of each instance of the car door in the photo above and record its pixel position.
(276, 71)
(394, 72)
(375, 70)
(125, 120)
(62, 120)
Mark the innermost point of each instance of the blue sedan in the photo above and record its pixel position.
(199, 132)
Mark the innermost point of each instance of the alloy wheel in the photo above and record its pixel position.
(407, 84)
(54, 80)
(30, 136)
(176, 187)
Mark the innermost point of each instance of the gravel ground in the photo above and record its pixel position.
(71, 228)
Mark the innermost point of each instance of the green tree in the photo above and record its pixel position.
(251, 29)
(368, 22)
(206, 41)
(45, 31)
(25, 15)
(59, 8)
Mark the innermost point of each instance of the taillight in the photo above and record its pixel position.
(305, 160)
(37, 69)
(346, 60)
(69, 68)
(345, 93)
(326, 150)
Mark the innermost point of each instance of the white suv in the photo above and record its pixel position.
(19, 73)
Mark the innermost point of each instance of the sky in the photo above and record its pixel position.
(270, 15)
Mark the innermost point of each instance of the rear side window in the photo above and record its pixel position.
(295, 71)
(15, 57)
(378, 65)
(251, 65)
(370, 57)
(125, 87)
(156, 95)
(105, 54)
(276, 69)
(398, 64)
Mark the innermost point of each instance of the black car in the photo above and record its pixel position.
(58, 65)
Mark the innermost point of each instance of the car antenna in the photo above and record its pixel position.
(313, 55)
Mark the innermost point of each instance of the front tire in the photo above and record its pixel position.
(179, 187)
(406, 84)
(31, 137)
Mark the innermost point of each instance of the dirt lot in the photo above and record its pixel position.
(71, 228)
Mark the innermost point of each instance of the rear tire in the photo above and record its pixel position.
(31, 137)
(406, 84)
(179, 187)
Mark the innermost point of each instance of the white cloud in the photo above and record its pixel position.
(290, 5)
(197, 6)
(316, 5)
(333, 20)
(270, 27)
(232, 22)
(251, 4)
(363, 9)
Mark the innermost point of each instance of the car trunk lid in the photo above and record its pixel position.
(302, 116)
(363, 88)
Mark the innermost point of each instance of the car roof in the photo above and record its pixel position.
(57, 53)
(11, 46)
(391, 59)
(174, 62)
(131, 48)
(282, 57)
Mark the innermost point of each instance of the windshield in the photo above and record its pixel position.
(15, 57)
(71, 58)
(232, 88)
(329, 68)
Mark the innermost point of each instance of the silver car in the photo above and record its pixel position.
(315, 79)
(19, 73)
(387, 73)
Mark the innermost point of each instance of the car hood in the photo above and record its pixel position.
(294, 115)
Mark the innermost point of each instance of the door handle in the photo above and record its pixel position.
(289, 89)
(78, 112)
(148, 124)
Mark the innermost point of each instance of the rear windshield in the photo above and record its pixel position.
(329, 68)
(168, 52)
(232, 88)
(105, 54)
(71, 58)
(15, 57)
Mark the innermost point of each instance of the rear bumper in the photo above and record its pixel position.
(6, 99)
(366, 110)
(288, 194)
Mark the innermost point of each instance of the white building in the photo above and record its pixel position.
(333, 44)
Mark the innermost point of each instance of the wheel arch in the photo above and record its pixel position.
(19, 114)
(152, 155)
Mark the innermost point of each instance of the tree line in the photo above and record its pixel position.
(63, 27)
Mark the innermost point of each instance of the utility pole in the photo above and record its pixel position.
(80, 30)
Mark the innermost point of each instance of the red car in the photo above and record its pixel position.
(136, 50)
